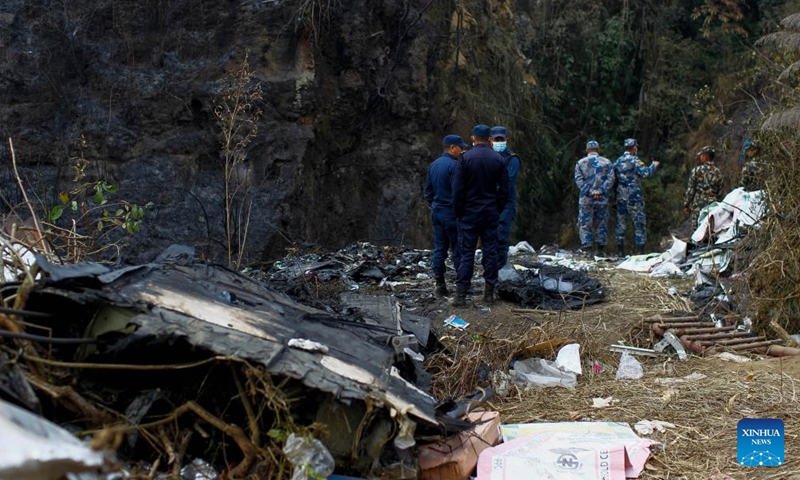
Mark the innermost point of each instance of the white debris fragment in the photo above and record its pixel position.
(694, 376)
(600, 402)
(647, 427)
(569, 359)
(308, 345)
(732, 357)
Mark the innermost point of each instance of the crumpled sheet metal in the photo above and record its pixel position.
(32, 448)
(232, 315)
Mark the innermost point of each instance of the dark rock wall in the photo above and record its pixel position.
(356, 95)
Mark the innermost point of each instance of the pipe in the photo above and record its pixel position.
(697, 347)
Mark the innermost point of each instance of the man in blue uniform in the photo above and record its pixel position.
(480, 192)
(439, 195)
(512, 163)
(629, 171)
(594, 176)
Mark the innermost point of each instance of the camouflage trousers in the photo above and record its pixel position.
(592, 222)
(635, 210)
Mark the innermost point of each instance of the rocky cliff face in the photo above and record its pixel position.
(356, 96)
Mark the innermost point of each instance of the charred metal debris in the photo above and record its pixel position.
(180, 364)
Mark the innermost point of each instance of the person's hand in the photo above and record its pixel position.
(686, 211)
(656, 163)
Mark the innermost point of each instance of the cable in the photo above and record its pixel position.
(43, 339)
(24, 313)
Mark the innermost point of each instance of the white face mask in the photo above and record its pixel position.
(499, 146)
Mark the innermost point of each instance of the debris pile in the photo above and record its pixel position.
(551, 288)
(179, 365)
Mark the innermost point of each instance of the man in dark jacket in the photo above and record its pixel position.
(480, 192)
(439, 195)
(512, 163)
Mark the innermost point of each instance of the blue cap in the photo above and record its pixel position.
(481, 131)
(630, 142)
(592, 144)
(453, 140)
(499, 131)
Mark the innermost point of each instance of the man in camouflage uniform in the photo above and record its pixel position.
(754, 170)
(594, 176)
(704, 187)
(629, 171)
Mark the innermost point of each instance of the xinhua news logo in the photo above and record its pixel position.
(760, 442)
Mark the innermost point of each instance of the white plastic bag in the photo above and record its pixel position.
(538, 372)
(629, 368)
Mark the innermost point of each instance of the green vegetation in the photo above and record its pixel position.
(88, 223)
(676, 75)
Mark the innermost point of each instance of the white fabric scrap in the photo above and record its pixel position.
(738, 207)
(676, 253)
(640, 263)
(665, 269)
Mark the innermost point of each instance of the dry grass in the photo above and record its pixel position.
(705, 412)
(772, 253)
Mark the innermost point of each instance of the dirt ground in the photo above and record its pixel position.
(705, 412)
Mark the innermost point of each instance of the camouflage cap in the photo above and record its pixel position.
(592, 144)
(630, 142)
(708, 150)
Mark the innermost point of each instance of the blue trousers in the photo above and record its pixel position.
(504, 235)
(445, 237)
(635, 210)
(471, 227)
(592, 222)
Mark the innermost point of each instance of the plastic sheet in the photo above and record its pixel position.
(629, 368)
(309, 456)
(538, 372)
(37, 449)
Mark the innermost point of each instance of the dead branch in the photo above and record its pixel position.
(71, 400)
(40, 237)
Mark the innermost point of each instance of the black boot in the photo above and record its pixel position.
(461, 297)
(600, 251)
(488, 293)
(441, 287)
(640, 249)
(621, 247)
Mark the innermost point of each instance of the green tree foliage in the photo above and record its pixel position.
(610, 70)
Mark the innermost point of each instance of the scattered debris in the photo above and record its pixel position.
(569, 358)
(629, 368)
(456, 322)
(692, 377)
(457, 457)
(647, 427)
(600, 402)
(538, 372)
(732, 357)
(552, 288)
(585, 449)
(309, 456)
(706, 338)
(199, 343)
(36, 449)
